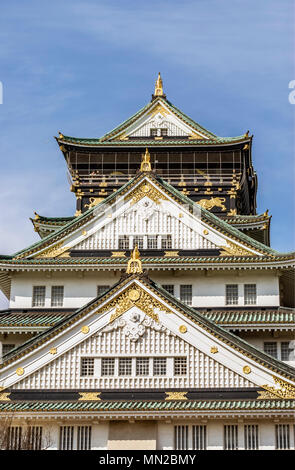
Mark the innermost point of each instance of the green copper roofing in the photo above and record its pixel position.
(42, 319)
(146, 405)
(280, 316)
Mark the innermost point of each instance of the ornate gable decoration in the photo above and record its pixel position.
(283, 390)
(145, 189)
(135, 326)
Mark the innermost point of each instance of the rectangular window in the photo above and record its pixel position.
(250, 294)
(169, 288)
(285, 351)
(199, 440)
(38, 296)
(6, 348)
(271, 348)
(152, 242)
(180, 366)
(66, 437)
(282, 436)
(87, 366)
(231, 294)
(57, 296)
(231, 437)
(251, 437)
(164, 132)
(102, 289)
(166, 242)
(181, 437)
(153, 132)
(123, 242)
(125, 366)
(34, 438)
(142, 366)
(138, 240)
(186, 294)
(14, 441)
(107, 366)
(160, 365)
(84, 438)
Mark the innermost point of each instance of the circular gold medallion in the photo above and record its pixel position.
(134, 294)
(145, 188)
(85, 329)
(246, 370)
(20, 371)
(53, 351)
(205, 232)
(183, 329)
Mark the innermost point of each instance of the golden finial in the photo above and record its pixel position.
(246, 134)
(134, 264)
(60, 135)
(159, 86)
(145, 161)
(37, 216)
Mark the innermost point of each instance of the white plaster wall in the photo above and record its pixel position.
(208, 290)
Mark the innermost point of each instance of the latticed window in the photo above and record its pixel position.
(180, 366)
(38, 299)
(282, 436)
(166, 242)
(125, 366)
(66, 437)
(14, 441)
(231, 437)
(250, 294)
(285, 351)
(181, 438)
(123, 242)
(57, 296)
(153, 132)
(142, 366)
(35, 437)
(160, 365)
(152, 242)
(231, 294)
(186, 293)
(84, 438)
(169, 288)
(251, 437)
(107, 366)
(102, 289)
(271, 348)
(87, 366)
(138, 240)
(164, 132)
(199, 439)
(6, 348)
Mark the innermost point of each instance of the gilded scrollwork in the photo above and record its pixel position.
(145, 189)
(284, 390)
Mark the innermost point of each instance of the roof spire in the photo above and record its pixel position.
(145, 161)
(134, 264)
(159, 88)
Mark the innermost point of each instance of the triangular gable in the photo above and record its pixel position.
(137, 295)
(216, 232)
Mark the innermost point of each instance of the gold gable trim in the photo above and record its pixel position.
(284, 391)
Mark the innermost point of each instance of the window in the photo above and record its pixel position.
(169, 288)
(166, 242)
(123, 242)
(180, 366)
(181, 437)
(125, 366)
(102, 289)
(251, 437)
(84, 438)
(160, 366)
(282, 436)
(57, 296)
(66, 437)
(152, 242)
(107, 366)
(164, 132)
(6, 348)
(231, 437)
(14, 441)
(153, 132)
(232, 295)
(34, 438)
(87, 366)
(186, 294)
(138, 240)
(38, 296)
(142, 366)
(199, 441)
(271, 348)
(250, 294)
(285, 351)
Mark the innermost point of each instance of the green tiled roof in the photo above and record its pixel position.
(42, 319)
(153, 406)
(280, 316)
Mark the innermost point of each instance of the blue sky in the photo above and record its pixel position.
(82, 67)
